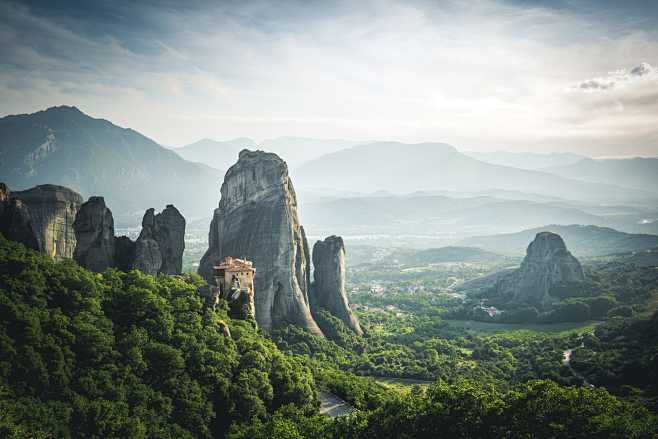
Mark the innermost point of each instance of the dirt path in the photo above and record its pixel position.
(332, 405)
(566, 360)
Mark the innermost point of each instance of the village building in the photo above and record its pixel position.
(235, 279)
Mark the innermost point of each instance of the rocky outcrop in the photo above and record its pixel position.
(15, 222)
(147, 251)
(94, 233)
(160, 245)
(52, 219)
(547, 265)
(124, 253)
(328, 289)
(43, 215)
(257, 219)
(169, 232)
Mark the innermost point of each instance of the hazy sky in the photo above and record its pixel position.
(517, 75)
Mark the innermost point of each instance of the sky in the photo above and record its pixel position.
(579, 76)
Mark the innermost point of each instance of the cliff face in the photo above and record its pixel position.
(169, 232)
(147, 251)
(160, 245)
(52, 219)
(94, 231)
(124, 253)
(547, 264)
(52, 210)
(328, 289)
(15, 222)
(257, 219)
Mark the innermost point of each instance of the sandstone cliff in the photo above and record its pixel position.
(257, 219)
(547, 264)
(51, 210)
(94, 232)
(328, 289)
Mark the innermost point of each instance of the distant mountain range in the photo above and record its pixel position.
(294, 150)
(445, 220)
(436, 214)
(404, 168)
(217, 154)
(450, 195)
(449, 254)
(636, 173)
(581, 240)
(526, 160)
(64, 146)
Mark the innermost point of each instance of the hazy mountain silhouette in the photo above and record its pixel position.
(582, 240)
(526, 160)
(452, 218)
(217, 154)
(294, 150)
(637, 173)
(299, 150)
(64, 146)
(404, 168)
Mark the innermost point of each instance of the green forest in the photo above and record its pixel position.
(120, 355)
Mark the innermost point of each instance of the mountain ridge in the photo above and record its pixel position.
(582, 240)
(400, 168)
(62, 145)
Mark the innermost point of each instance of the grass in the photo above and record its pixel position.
(493, 328)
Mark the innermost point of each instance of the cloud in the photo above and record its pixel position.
(486, 74)
(620, 78)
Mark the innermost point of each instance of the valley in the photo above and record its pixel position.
(389, 219)
(338, 313)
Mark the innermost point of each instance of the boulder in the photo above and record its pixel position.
(328, 289)
(257, 219)
(94, 232)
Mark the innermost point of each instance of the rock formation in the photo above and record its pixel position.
(124, 253)
(15, 222)
(147, 251)
(44, 214)
(52, 219)
(257, 219)
(328, 289)
(547, 264)
(94, 232)
(169, 232)
(160, 245)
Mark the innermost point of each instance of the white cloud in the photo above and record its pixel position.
(478, 75)
(620, 78)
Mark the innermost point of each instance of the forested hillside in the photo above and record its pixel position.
(129, 355)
